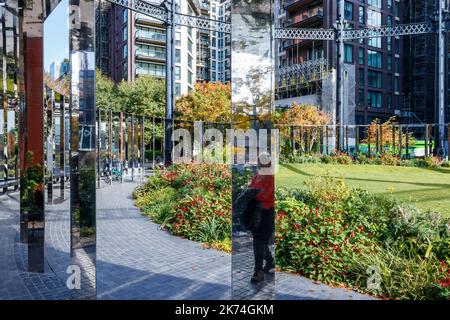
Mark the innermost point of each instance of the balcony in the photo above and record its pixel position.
(144, 19)
(150, 37)
(150, 55)
(305, 19)
(298, 43)
(293, 5)
(155, 74)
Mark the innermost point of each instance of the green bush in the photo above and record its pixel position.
(191, 201)
(396, 238)
(317, 243)
(412, 277)
(301, 159)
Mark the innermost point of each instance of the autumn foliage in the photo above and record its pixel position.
(303, 115)
(208, 102)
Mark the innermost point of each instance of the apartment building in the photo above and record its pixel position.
(214, 48)
(136, 44)
(377, 62)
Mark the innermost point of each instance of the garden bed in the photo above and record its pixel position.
(325, 230)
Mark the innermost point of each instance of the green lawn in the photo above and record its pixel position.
(427, 188)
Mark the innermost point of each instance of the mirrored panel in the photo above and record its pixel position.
(253, 262)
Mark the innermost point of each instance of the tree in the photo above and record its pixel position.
(209, 102)
(107, 95)
(144, 96)
(388, 134)
(303, 115)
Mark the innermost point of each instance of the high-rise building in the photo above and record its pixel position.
(375, 63)
(214, 48)
(54, 70)
(137, 46)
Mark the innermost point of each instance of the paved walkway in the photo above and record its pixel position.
(135, 258)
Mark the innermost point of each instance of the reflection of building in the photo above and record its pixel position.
(64, 68)
(214, 48)
(136, 46)
(376, 61)
(54, 70)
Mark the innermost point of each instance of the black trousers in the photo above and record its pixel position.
(261, 240)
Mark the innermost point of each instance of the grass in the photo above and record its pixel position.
(426, 188)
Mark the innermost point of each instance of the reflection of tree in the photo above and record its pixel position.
(261, 97)
(31, 196)
(60, 85)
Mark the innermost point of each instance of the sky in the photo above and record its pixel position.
(56, 35)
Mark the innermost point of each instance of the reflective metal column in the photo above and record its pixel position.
(253, 177)
(83, 142)
(31, 18)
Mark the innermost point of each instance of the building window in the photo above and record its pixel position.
(374, 59)
(190, 77)
(361, 15)
(374, 99)
(397, 9)
(389, 5)
(125, 70)
(397, 65)
(389, 82)
(397, 46)
(348, 53)
(361, 77)
(389, 21)
(125, 51)
(361, 98)
(177, 73)
(177, 56)
(374, 3)
(151, 33)
(374, 79)
(389, 43)
(389, 62)
(361, 56)
(373, 18)
(125, 34)
(190, 45)
(389, 101)
(151, 51)
(177, 89)
(152, 69)
(374, 42)
(125, 15)
(348, 10)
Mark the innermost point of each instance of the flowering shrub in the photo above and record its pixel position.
(191, 201)
(443, 281)
(317, 242)
(324, 230)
